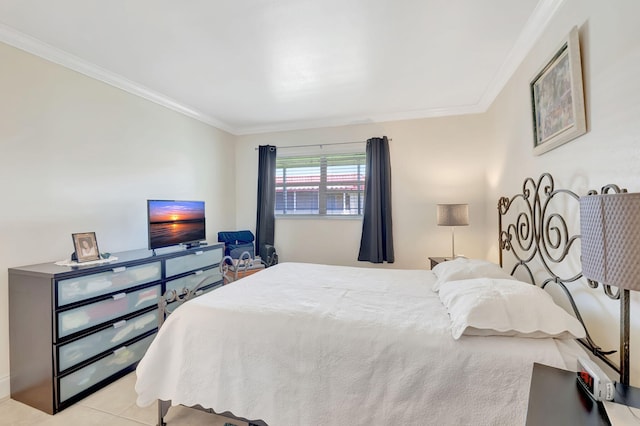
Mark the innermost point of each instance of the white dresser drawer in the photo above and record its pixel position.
(82, 349)
(88, 286)
(120, 304)
(209, 276)
(94, 373)
(191, 262)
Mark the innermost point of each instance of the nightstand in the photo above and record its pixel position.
(436, 260)
(556, 398)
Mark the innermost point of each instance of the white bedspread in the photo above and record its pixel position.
(302, 344)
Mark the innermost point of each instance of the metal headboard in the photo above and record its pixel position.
(542, 235)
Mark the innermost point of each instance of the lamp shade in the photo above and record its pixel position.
(453, 214)
(610, 247)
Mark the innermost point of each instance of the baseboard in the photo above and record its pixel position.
(5, 390)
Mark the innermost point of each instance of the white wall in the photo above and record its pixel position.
(608, 153)
(433, 161)
(78, 155)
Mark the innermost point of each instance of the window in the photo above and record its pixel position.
(322, 185)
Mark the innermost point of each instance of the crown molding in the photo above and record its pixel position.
(531, 32)
(537, 23)
(36, 47)
(355, 120)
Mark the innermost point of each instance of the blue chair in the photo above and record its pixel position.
(237, 242)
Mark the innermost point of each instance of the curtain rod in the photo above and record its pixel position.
(321, 144)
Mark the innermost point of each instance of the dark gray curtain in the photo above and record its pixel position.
(376, 244)
(265, 218)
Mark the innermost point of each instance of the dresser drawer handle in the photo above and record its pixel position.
(198, 253)
(119, 269)
(119, 324)
(119, 350)
(119, 296)
(198, 272)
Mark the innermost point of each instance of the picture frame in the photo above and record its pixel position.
(557, 97)
(86, 246)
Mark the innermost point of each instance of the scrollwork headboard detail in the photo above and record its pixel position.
(542, 235)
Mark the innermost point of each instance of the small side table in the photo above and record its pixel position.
(556, 398)
(436, 260)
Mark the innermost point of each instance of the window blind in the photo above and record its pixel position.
(322, 185)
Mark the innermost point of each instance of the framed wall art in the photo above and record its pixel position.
(86, 246)
(557, 98)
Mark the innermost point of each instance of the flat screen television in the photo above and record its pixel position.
(173, 222)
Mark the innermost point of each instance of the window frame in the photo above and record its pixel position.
(323, 183)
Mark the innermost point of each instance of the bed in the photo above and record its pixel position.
(307, 344)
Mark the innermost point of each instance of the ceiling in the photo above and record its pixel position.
(251, 66)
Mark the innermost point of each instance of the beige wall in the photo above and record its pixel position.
(608, 153)
(78, 155)
(433, 161)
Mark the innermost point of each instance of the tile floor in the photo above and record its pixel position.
(115, 405)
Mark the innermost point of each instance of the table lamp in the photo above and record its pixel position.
(453, 215)
(610, 252)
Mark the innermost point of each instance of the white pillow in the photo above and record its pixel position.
(462, 268)
(497, 307)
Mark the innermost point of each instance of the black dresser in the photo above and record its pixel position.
(74, 330)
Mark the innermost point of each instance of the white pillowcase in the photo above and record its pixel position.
(462, 268)
(498, 307)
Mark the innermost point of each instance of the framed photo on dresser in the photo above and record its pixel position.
(86, 246)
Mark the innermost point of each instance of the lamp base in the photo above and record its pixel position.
(453, 244)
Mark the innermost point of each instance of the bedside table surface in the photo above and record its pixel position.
(556, 398)
(435, 260)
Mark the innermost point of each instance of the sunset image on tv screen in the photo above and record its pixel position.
(175, 211)
(175, 222)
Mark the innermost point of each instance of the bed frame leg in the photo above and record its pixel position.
(163, 408)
